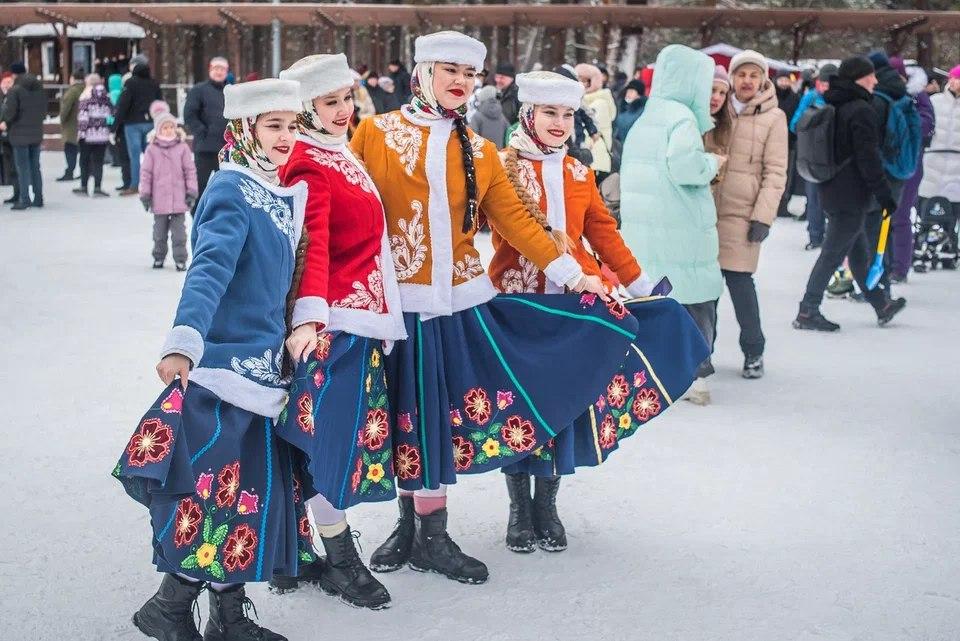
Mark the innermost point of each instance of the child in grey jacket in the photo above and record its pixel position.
(489, 121)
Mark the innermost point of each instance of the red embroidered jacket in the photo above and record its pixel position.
(349, 282)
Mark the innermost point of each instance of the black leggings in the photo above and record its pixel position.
(91, 163)
(846, 236)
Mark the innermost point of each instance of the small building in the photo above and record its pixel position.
(104, 47)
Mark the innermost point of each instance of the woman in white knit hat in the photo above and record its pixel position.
(468, 388)
(562, 195)
(224, 504)
(346, 315)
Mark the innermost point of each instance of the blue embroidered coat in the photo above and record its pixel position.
(230, 320)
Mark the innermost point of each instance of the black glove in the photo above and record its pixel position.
(758, 231)
(146, 203)
(191, 200)
(889, 204)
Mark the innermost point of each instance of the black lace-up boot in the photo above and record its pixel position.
(395, 551)
(308, 573)
(347, 577)
(550, 533)
(228, 618)
(168, 615)
(434, 551)
(520, 536)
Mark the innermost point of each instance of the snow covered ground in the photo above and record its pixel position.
(819, 503)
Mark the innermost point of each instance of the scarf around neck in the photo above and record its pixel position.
(243, 148)
(310, 125)
(525, 139)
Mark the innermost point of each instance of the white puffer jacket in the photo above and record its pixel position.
(941, 162)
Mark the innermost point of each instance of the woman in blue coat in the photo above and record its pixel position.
(224, 504)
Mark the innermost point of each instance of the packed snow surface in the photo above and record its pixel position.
(819, 503)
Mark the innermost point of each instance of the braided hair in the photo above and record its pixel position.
(300, 260)
(559, 237)
(470, 216)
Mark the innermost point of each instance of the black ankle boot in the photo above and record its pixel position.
(520, 536)
(434, 551)
(347, 577)
(168, 615)
(228, 618)
(395, 551)
(550, 533)
(309, 573)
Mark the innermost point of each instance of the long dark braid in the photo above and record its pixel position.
(466, 149)
(300, 260)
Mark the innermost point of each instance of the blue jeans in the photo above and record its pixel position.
(136, 137)
(27, 160)
(816, 221)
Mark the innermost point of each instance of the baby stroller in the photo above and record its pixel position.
(935, 234)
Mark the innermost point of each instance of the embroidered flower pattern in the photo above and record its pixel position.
(504, 399)
(402, 138)
(305, 413)
(375, 429)
(588, 300)
(150, 443)
(528, 179)
(462, 454)
(518, 434)
(303, 527)
(405, 422)
(278, 209)
(617, 309)
(578, 170)
(173, 403)
(407, 462)
(617, 391)
(607, 433)
(353, 174)
(477, 143)
(408, 248)
(368, 297)
(639, 379)
(265, 369)
(186, 522)
(229, 481)
(630, 406)
(324, 341)
(524, 280)
(477, 405)
(469, 267)
(239, 551)
(646, 404)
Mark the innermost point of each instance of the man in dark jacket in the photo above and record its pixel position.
(133, 115)
(8, 171)
(203, 116)
(23, 112)
(68, 123)
(401, 80)
(788, 100)
(848, 196)
(507, 92)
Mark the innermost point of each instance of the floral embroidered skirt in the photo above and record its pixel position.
(487, 386)
(660, 366)
(339, 418)
(225, 502)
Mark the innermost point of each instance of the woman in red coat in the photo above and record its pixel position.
(345, 319)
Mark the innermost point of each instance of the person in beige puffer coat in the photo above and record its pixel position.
(749, 194)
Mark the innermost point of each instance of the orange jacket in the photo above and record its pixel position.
(567, 192)
(417, 166)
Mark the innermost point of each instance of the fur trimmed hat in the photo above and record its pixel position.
(250, 99)
(450, 46)
(319, 74)
(749, 57)
(549, 88)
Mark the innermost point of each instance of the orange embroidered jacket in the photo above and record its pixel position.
(417, 166)
(567, 192)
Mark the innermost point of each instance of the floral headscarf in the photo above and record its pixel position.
(524, 138)
(424, 102)
(243, 148)
(310, 125)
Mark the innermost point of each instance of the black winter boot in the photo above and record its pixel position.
(395, 551)
(752, 367)
(550, 533)
(520, 537)
(811, 318)
(309, 573)
(893, 307)
(347, 577)
(228, 618)
(168, 615)
(434, 551)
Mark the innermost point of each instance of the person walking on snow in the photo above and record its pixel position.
(203, 117)
(669, 218)
(93, 134)
(168, 188)
(68, 124)
(133, 117)
(24, 109)
(598, 100)
(847, 196)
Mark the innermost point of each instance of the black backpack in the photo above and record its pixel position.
(816, 160)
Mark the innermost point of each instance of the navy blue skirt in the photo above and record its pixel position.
(487, 386)
(339, 418)
(225, 502)
(660, 366)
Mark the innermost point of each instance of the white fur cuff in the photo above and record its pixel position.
(564, 269)
(185, 340)
(641, 287)
(310, 309)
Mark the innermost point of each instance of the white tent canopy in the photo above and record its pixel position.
(729, 51)
(91, 30)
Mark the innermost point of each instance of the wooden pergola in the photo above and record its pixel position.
(331, 20)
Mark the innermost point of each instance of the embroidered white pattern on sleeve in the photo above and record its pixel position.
(402, 138)
(578, 170)
(340, 163)
(265, 369)
(259, 198)
(408, 248)
(528, 178)
(469, 267)
(369, 297)
(523, 280)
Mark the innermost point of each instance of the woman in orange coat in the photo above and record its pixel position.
(468, 388)
(562, 195)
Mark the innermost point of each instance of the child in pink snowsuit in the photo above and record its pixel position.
(168, 188)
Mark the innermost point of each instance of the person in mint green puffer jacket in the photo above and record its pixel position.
(668, 212)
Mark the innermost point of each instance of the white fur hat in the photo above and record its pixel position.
(749, 57)
(450, 46)
(319, 74)
(548, 88)
(250, 99)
